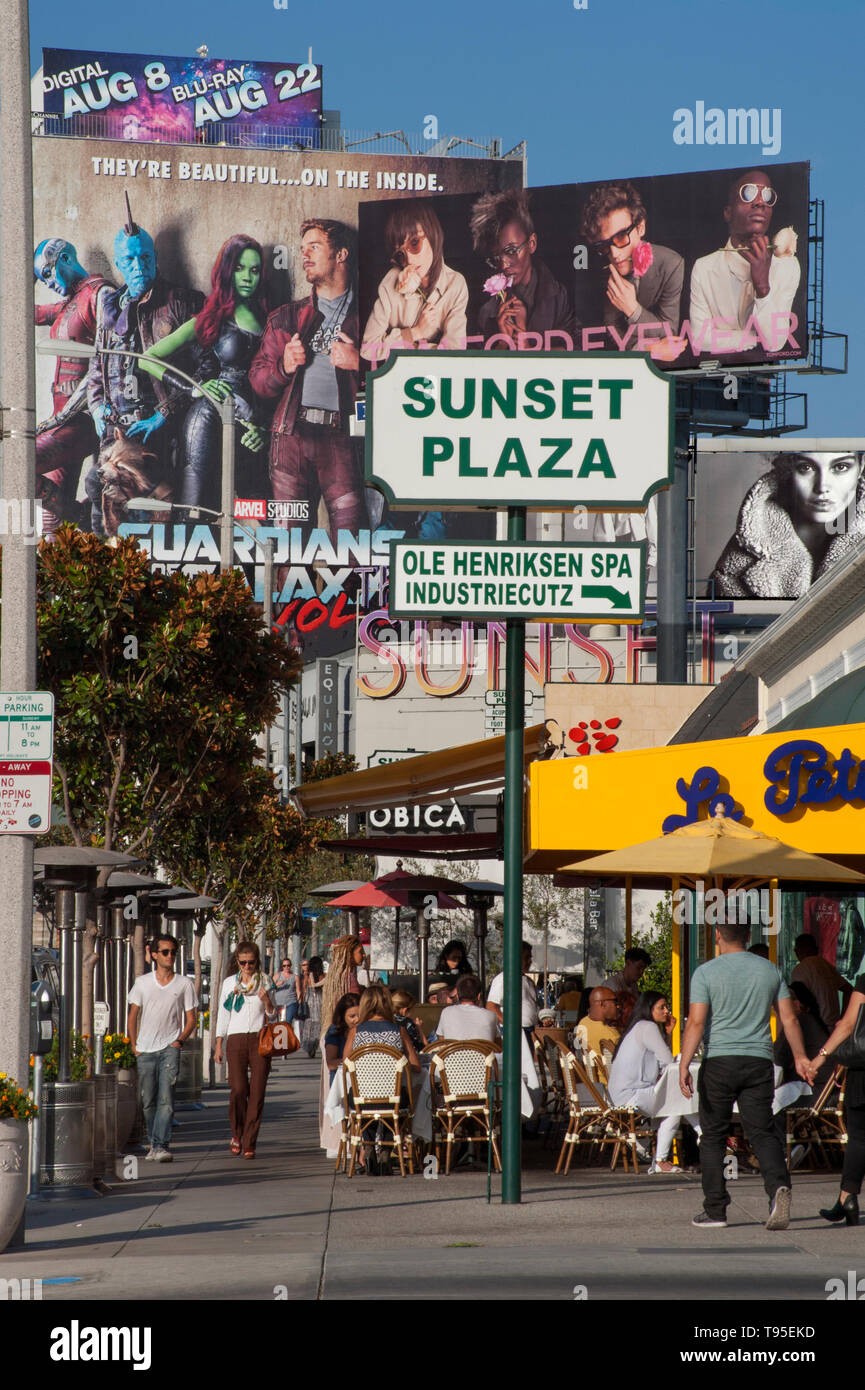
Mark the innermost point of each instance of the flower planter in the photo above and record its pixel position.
(127, 1103)
(68, 1130)
(13, 1176)
(105, 1141)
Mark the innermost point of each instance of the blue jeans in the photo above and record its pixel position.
(157, 1077)
(291, 1012)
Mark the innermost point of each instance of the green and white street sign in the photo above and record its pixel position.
(26, 724)
(459, 429)
(506, 579)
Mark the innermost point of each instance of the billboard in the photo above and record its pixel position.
(154, 97)
(210, 268)
(689, 267)
(771, 521)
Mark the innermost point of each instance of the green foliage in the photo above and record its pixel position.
(15, 1104)
(79, 1059)
(254, 854)
(659, 944)
(161, 684)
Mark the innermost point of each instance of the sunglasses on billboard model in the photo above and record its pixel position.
(749, 193)
(412, 246)
(619, 239)
(507, 253)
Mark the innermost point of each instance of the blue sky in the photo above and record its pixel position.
(593, 92)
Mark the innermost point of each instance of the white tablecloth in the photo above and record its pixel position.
(668, 1098)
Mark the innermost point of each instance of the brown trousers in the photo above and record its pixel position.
(247, 1077)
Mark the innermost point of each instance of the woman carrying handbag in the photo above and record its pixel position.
(246, 1003)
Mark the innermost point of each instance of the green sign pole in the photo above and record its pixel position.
(513, 933)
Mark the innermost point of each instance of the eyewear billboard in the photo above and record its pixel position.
(687, 267)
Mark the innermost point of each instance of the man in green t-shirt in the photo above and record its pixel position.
(731, 1004)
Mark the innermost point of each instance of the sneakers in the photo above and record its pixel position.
(664, 1166)
(158, 1155)
(704, 1219)
(779, 1216)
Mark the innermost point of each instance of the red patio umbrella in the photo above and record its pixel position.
(393, 890)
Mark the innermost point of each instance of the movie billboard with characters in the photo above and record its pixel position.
(238, 268)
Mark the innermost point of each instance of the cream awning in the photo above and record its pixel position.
(466, 770)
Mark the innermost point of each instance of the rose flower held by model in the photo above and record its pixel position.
(497, 284)
(785, 242)
(642, 257)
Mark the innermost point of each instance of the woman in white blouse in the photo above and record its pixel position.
(642, 1053)
(246, 1004)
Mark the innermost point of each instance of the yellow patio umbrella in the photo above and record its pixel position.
(720, 853)
(715, 848)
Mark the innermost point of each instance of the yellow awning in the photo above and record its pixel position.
(466, 770)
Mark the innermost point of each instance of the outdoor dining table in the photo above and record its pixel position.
(670, 1101)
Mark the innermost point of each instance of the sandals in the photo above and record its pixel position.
(235, 1146)
(249, 1153)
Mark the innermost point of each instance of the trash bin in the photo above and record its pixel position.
(68, 1133)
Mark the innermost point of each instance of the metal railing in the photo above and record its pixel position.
(254, 135)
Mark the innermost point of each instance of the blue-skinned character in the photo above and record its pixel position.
(125, 401)
(67, 437)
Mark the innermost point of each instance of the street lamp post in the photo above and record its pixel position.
(226, 415)
(18, 642)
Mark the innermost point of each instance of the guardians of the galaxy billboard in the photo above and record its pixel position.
(687, 267)
(239, 268)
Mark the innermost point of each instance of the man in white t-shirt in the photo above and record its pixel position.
(466, 1020)
(496, 994)
(161, 1017)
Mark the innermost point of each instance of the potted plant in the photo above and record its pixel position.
(68, 1126)
(16, 1108)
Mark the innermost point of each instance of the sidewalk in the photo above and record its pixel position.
(212, 1226)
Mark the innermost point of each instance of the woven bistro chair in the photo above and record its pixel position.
(548, 1102)
(622, 1127)
(584, 1115)
(378, 1092)
(461, 1090)
(555, 1095)
(820, 1124)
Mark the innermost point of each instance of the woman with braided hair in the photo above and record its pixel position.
(345, 975)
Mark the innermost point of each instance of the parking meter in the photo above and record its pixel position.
(41, 1020)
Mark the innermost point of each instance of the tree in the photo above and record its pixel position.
(659, 944)
(161, 684)
(545, 907)
(255, 855)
